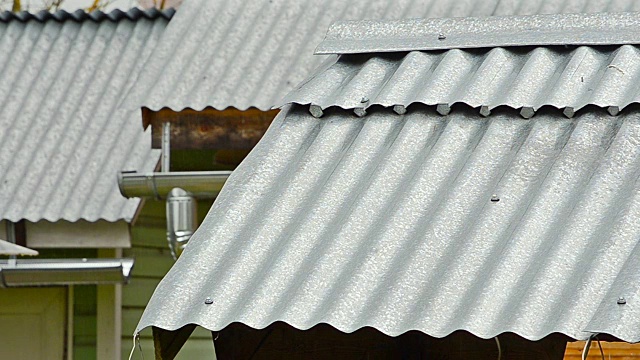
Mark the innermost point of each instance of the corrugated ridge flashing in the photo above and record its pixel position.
(372, 36)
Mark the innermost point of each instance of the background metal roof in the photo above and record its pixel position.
(520, 78)
(62, 136)
(80, 15)
(374, 36)
(242, 54)
(422, 222)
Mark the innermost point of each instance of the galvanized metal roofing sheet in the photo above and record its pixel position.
(80, 15)
(521, 78)
(375, 36)
(63, 137)
(242, 54)
(422, 222)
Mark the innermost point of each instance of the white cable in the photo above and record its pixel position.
(499, 348)
(136, 340)
(133, 348)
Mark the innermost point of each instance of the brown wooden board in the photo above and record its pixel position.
(611, 350)
(209, 128)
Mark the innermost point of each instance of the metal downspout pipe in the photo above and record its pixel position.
(180, 189)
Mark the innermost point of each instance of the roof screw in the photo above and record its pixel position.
(621, 301)
(364, 99)
(495, 198)
(441, 37)
(208, 301)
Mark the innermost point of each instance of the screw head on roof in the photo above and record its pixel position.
(495, 198)
(441, 37)
(364, 99)
(621, 300)
(208, 301)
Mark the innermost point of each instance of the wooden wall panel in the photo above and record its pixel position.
(209, 128)
(612, 350)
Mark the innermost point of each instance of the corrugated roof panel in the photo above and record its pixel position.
(63, 138)
(198, 63)
(81, 15)
(527, 79)
(422, 222)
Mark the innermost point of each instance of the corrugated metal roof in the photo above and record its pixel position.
(80, 15)
(242, 54)
(526, 79)
(375, 36)
(62, 136)
(422, 222)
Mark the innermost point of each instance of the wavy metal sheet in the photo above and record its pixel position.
(375, 36)
(422, 222)
(80, 15)
(243, 54)
(530, 79)
(63, 138)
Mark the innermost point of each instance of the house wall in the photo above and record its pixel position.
(81, 234)
(85, 322)
(33, 323)
(153, 261)
(79, 309)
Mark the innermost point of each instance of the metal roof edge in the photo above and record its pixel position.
(526, 112)
(132, 14)
(370, 36)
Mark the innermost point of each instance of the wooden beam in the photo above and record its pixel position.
(80, 234)
(209, 128)
(168, 343)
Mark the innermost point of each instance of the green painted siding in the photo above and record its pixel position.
(84, 305)
(153, 261)
(84, 322)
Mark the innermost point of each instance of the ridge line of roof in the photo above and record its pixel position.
(375, 36)
(116, 15)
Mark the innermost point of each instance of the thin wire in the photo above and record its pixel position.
(587, 345)
(140, 345)
(499, 348)
(600, 346)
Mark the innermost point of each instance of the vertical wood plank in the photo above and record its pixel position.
(109, 317)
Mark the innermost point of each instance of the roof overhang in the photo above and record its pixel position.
(371, 36)
(56, 272)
